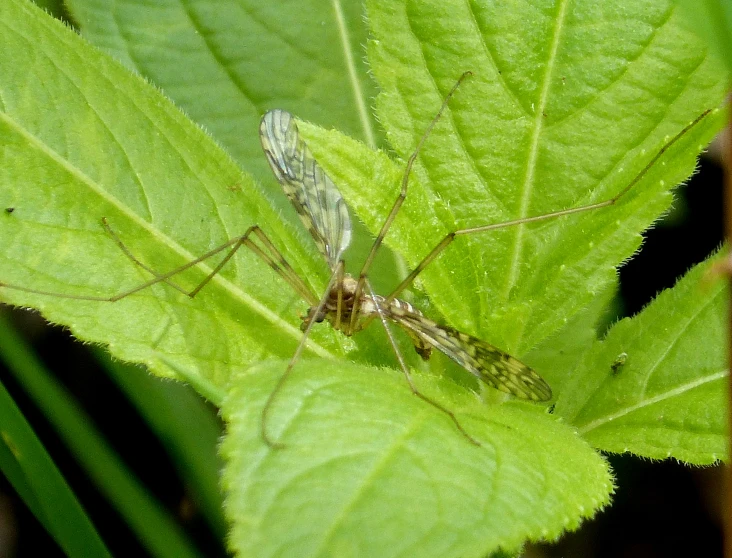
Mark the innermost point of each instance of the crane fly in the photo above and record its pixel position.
(349, 304)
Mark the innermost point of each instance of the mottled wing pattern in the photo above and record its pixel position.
(315, 197)
(486, 362)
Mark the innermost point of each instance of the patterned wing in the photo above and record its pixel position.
(312, 192)
(486, 362)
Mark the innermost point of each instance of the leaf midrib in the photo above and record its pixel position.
(527, 187)
(358, 94)
(679, 390)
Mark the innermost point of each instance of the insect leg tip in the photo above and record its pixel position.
(272, 444)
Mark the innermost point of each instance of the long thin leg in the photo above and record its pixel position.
(274, 259)
(269, 254)
(447, 240)
(126, 251)
(337, 272)
(400, 198)
(340, 272)
(405, 369)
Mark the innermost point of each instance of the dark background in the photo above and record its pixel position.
(662, 509)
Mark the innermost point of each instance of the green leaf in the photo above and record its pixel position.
(370, 470)
(668, 398)
(562, 352)
(712, 20)
(242, 58)
(54, 7)
(26, 464)
(97, 142)
(564, 108)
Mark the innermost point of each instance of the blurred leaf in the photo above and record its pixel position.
(226, 62)
(154, 527)
(712, 20)
(26, 464)
(184, 425)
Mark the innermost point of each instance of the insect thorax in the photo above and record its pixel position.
(339, 313)
(346, 291)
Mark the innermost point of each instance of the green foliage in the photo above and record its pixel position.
(226, 63)
(712, 20)
(370, 470)
(668, 399)
(39, 483)
(519, 142)
(186, 426)
(564, 108)
(30, 470)
(121, 151)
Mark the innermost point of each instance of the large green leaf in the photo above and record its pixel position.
(566, 104)
(370, 470)
(226, 62)
(98, 142)
(564, 108)
(241, 58)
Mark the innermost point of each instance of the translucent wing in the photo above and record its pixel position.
(488, 363)
(315, 197)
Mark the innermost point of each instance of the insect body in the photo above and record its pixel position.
(349, 303)
(486, 362)
(617, 365)
(323, 212)
(346, 304)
